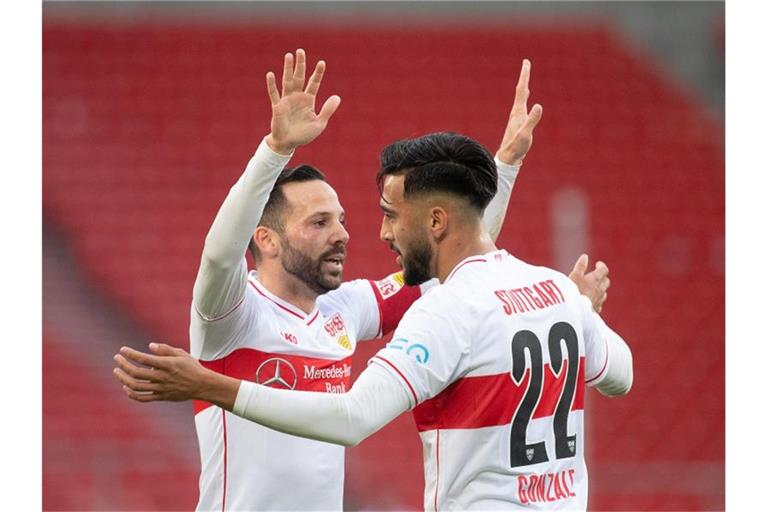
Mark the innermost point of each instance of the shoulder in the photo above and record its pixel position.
(348, 293)
(444, 307)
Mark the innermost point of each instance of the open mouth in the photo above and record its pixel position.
(336, 261)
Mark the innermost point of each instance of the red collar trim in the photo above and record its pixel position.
(265, 293)
(473, 260)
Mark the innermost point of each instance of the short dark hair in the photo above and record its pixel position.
(442, 162)
(273, 216)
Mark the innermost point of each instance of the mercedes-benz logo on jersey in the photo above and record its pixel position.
(277, 373)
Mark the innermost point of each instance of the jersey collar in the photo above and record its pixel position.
(286, 306)
(478, 258)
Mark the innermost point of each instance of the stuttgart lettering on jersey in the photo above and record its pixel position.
(541, 295)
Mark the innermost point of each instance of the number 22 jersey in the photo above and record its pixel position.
(496, 361)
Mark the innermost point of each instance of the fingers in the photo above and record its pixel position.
(161, 349)
(599, 306)
(329, 107)
(287, 74)
(143, 358)
(581, 265)
(533, 118)
(135, 384)
(601, 270)
(521, 90)
(274, 95)
(299, 72)
(140, 396)
(317, 76)
(133, 370)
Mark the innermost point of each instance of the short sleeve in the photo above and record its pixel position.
(375, 306)
(428, 349)
(357, 301)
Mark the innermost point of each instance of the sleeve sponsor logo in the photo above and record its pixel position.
(390, 285)
(415, 350)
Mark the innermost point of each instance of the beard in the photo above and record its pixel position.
(417, 263)
(310, 271)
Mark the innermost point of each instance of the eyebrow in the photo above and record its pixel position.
(385, 209)
(341, 214)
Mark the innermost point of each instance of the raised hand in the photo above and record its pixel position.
(593, 284)
(518, 136)
(294, 121)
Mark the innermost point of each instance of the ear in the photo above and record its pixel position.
(267, 241)
(438, 222)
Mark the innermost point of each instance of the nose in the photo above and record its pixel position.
(340, 235)
(385, 234)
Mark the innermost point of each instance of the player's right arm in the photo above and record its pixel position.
(221, 280)
(417, 365)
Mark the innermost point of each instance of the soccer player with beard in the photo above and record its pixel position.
(294, 325)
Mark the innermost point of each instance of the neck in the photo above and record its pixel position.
(287, 286)
(461, 246)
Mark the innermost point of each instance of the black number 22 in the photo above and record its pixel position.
(521, 453)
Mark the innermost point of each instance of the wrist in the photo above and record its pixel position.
(509, 159)
(278, 147)
(218, 389)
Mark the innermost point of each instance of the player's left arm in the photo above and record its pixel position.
(608, 358)
(375, 399)
(515, 144)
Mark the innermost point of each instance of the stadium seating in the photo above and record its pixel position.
(102, 453)
(145, 127)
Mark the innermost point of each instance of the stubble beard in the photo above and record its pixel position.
(308, 270)
(417, 263)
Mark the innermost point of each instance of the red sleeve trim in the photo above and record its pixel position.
(605, 365)
(393, 308)
(415, 400)
(225, 315)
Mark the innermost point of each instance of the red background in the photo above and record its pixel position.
(145, 127)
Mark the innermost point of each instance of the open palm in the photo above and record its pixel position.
(294, 121)
(518, 135)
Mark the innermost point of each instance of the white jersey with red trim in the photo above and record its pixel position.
(496, 361)
(264, 339)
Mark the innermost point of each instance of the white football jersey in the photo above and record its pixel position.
(269, 341)
(496, 361)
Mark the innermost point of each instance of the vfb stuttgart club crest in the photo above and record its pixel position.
(276, 372)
